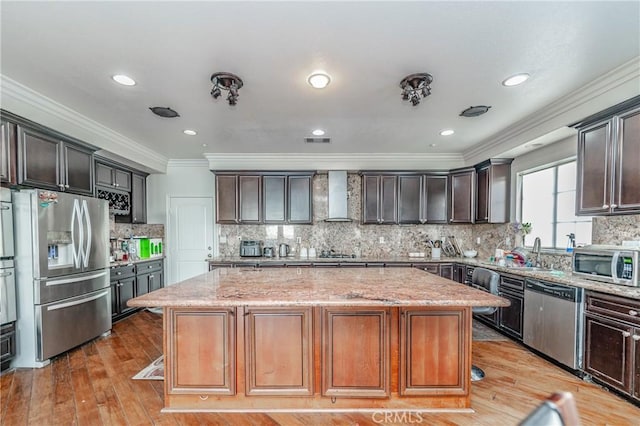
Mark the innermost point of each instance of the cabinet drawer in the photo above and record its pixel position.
(7, 343)
(613, 306)
(511, 282)
(125, 271)
(149, 266)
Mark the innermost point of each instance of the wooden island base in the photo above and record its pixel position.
(317, 358)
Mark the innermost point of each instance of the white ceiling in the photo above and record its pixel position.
(67, 51)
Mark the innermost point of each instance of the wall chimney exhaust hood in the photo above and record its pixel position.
(338, 197)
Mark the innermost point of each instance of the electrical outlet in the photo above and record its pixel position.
(478, 241)
(381, 240)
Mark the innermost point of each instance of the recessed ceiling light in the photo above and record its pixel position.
(433, 145)
(318, 132)
(319, 79)
(190, 132)
(514, 80)
(125, 80)
(447, 132)
(204, 144)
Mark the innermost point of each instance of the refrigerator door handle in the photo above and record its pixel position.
(76, 252)
(76, 302)
(87, 252)
(76, 279)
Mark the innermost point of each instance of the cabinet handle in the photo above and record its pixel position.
(66, 186)
(150, 266)
(605, 206)
(113, 184)
(151, 276)
(117, 185)
(613, 206)
(636, 337)
(633, 313)
(61, 186)
(626, 334)
(204, 397)
(118, 273)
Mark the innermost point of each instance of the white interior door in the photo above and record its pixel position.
(191, 236)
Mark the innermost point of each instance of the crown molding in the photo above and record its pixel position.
(349, 161)
(21, 100)
(188, 163)
(615, 86)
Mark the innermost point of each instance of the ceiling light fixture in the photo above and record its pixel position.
(319, 79)
(415, 87)
(189, 132)
(125, 80)
(226, 81)
(514, 80)
(447, 132)
(475, 111)
(318, 132)
(164, 112)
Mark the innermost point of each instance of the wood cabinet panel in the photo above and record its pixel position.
(433, 344)
(636, 375)
(436, 201)
(446, 270)
(379, 199)
(8, 149)
(78, 169)
(273, 365)
(594, 169)
(627, 197)
(138, 198)
(7, 344)
(299, 199)
(226, 199)
(370, 199)
(201, 348)
(410, 199)
(39, 159)
(462, 196)
(274, 198)
(482, 195)
(356, 352)
(113, 177)
(249, 199)
(493, 188)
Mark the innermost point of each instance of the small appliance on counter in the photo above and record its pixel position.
(250, 248)
(268, 252)
(155, 247)
(284, 250)
(609, 264)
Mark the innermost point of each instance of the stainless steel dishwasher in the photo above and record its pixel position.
(554, 320)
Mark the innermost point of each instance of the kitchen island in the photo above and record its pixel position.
(246, 339)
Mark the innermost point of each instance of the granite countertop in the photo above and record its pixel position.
(317, 287)
(559, 277)
(131, 262)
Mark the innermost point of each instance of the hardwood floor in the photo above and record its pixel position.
(92, 385)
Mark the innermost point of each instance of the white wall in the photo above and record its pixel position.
(187, 178)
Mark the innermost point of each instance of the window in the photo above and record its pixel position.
(548, 202)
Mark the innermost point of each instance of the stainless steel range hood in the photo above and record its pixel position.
(338, 197)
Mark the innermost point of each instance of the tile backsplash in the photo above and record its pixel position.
(125, 230)
(400, 240)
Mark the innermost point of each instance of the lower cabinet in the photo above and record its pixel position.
(273, 365)
(7, 344)
(510, 317)
(123, 288)
(459, 273)
(446, 270)
(433, 344)
(149, 276)
(355, 356)
(201, 345)
(612, 342)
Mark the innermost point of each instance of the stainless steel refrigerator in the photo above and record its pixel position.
(62, 271)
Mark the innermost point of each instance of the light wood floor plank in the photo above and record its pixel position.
(516, 382)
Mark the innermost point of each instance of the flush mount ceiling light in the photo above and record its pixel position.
(319, 79)
(474, 111)
(125, 80)
(190, 132)
(514, 80)
(415, 87)
(164, 112)
(447, 132)
(318, 132)
(226, 81)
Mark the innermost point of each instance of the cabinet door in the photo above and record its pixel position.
(122, 179)
(226, 199)
(197, 365)
(138, 199)
(636, 348)
(389, 199)
(435, 199)
(594, 169)
(608, 350)
(249, 199)
(459, 273)
(78, 169)
(39, 160)
(276, 365)
(446, 270)
(510, 317)
(274, 198)
(435, 351)
(627, 185)
(409, 199)
(355, 356)
(370, 199)
(126, 291)
(7, 152)
(142, 284)
(156, 281)
(299, 200)
(462, 191)
(104, 175)
(482, 195)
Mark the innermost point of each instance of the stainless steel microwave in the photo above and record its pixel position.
(609, 264)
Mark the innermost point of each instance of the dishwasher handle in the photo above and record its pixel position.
(560, 291)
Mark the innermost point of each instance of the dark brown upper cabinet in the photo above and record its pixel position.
(46, 161)
(112, 177)
(493, 187)
(462, 195)
(8, 149)
(264, 197)
(422, 198)
(608, 180)
(138, 198)
(379, 199)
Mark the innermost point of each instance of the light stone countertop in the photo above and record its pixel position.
(559, 277)
(132, 262)
(317, 287)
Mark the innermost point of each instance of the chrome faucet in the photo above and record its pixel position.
(536, 250)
